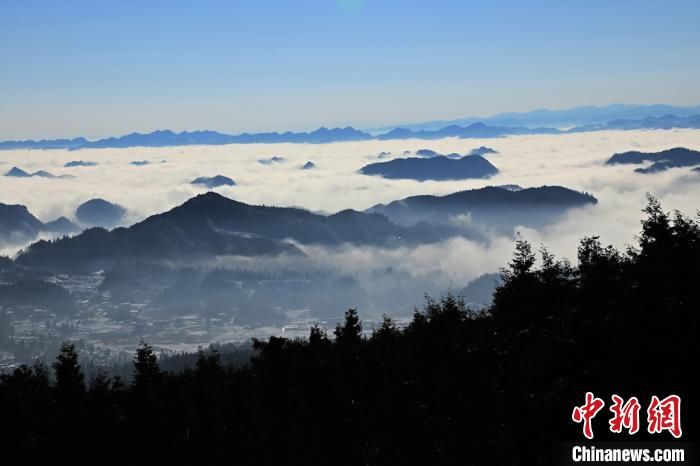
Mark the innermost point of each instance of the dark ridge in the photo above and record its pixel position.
(483, 150)
(434, 168)
(670, 158)
(61, 225)
(504, 206)
(210, 224)
(17, 173)
(79, 163)
(98, 212)
(214, 181)
(17, 223)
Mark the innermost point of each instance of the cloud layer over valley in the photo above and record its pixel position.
(575, 161)
(184, 303)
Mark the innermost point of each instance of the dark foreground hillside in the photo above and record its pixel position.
(451, 388)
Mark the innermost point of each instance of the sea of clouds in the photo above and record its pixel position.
(576, 161)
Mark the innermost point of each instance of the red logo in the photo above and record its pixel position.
(587, 412)
(665, 415)
(624, 415)
(662, 415)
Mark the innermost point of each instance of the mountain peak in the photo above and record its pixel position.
(213, 181)
(18, 173)
(209, 196)
(99, 212)
(208, 200)
(437, 167)
(164, 132)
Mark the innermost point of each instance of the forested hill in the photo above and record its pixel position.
(210, 224)
(451, 387)
(492, 205)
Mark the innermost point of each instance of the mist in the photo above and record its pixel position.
(177, 306)
(575, 161)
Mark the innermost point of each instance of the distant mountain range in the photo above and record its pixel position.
(582, 119)
(210, 225)
(670, 158)
(164, 138)
(567, 118)
(481, 130)
(474, 130)
(432, 168)
(661, 122)
(500, 207)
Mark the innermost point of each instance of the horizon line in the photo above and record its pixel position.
(372, 131)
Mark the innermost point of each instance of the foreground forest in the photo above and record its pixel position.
(452, 387)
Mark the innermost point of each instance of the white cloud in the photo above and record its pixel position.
(575, 161)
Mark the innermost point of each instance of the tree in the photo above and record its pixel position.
(147, 374)
(70, 380)
(505, 379)
(516, 299)
(523, 259)
(317, 336)
(656, 227)
(350, 332)
(387, 330)
(99, 384)
(208, 366)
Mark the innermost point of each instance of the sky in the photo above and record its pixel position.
(97, 69)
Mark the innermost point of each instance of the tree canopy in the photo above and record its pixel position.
(453, 386)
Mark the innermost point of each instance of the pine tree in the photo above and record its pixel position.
(350, 332)
(70, 380)
(317, 336)
(147, 373)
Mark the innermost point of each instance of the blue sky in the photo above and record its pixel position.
(104, 68)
